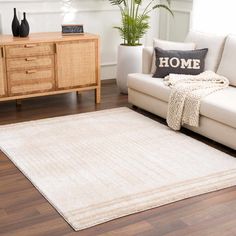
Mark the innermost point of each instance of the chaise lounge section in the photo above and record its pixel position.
(217, 111)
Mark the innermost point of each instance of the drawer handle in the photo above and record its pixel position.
(30, 45)
(31, 71)
(30, 59)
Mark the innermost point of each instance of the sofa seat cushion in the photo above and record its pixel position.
(152, 86)
(219, 106)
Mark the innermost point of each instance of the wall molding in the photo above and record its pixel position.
(177, 10)
(183, 11)
(107, 64)
(68, 12)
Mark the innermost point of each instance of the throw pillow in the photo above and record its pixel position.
(168, 45)
(190, 62)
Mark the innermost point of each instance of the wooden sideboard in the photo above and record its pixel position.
(47, 64)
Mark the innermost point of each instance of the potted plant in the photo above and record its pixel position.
(135, 24)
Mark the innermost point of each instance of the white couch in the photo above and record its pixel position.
(218, 110)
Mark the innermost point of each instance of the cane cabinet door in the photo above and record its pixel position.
(76, 63)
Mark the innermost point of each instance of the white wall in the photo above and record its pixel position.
(222, 18)
(98, 16)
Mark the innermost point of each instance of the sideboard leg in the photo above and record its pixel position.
(98, 95)
(18, 103)
(78, 96)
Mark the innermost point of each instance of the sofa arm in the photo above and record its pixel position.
(147, 60)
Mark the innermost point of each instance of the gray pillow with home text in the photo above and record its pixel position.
(191, 62)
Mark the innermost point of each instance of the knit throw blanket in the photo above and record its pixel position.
(186, 94)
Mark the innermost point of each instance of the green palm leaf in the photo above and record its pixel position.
(163, 6)
(116, 2)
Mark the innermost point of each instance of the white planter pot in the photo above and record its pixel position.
(129, 61)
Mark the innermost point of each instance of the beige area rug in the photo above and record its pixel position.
(99, 166)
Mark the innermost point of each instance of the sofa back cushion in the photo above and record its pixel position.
(168, 45)
(227, 65)
(215, 45)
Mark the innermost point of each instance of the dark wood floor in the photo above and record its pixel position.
(24, 212)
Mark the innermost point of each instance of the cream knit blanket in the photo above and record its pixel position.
(186, 94)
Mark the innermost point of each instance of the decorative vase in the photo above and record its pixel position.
(24, 29)
(15, 26)
(26, 22)
(129, 61)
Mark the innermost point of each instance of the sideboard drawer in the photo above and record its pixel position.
(31, 81)
(31, 88)
(32, 49)
(30, 63)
